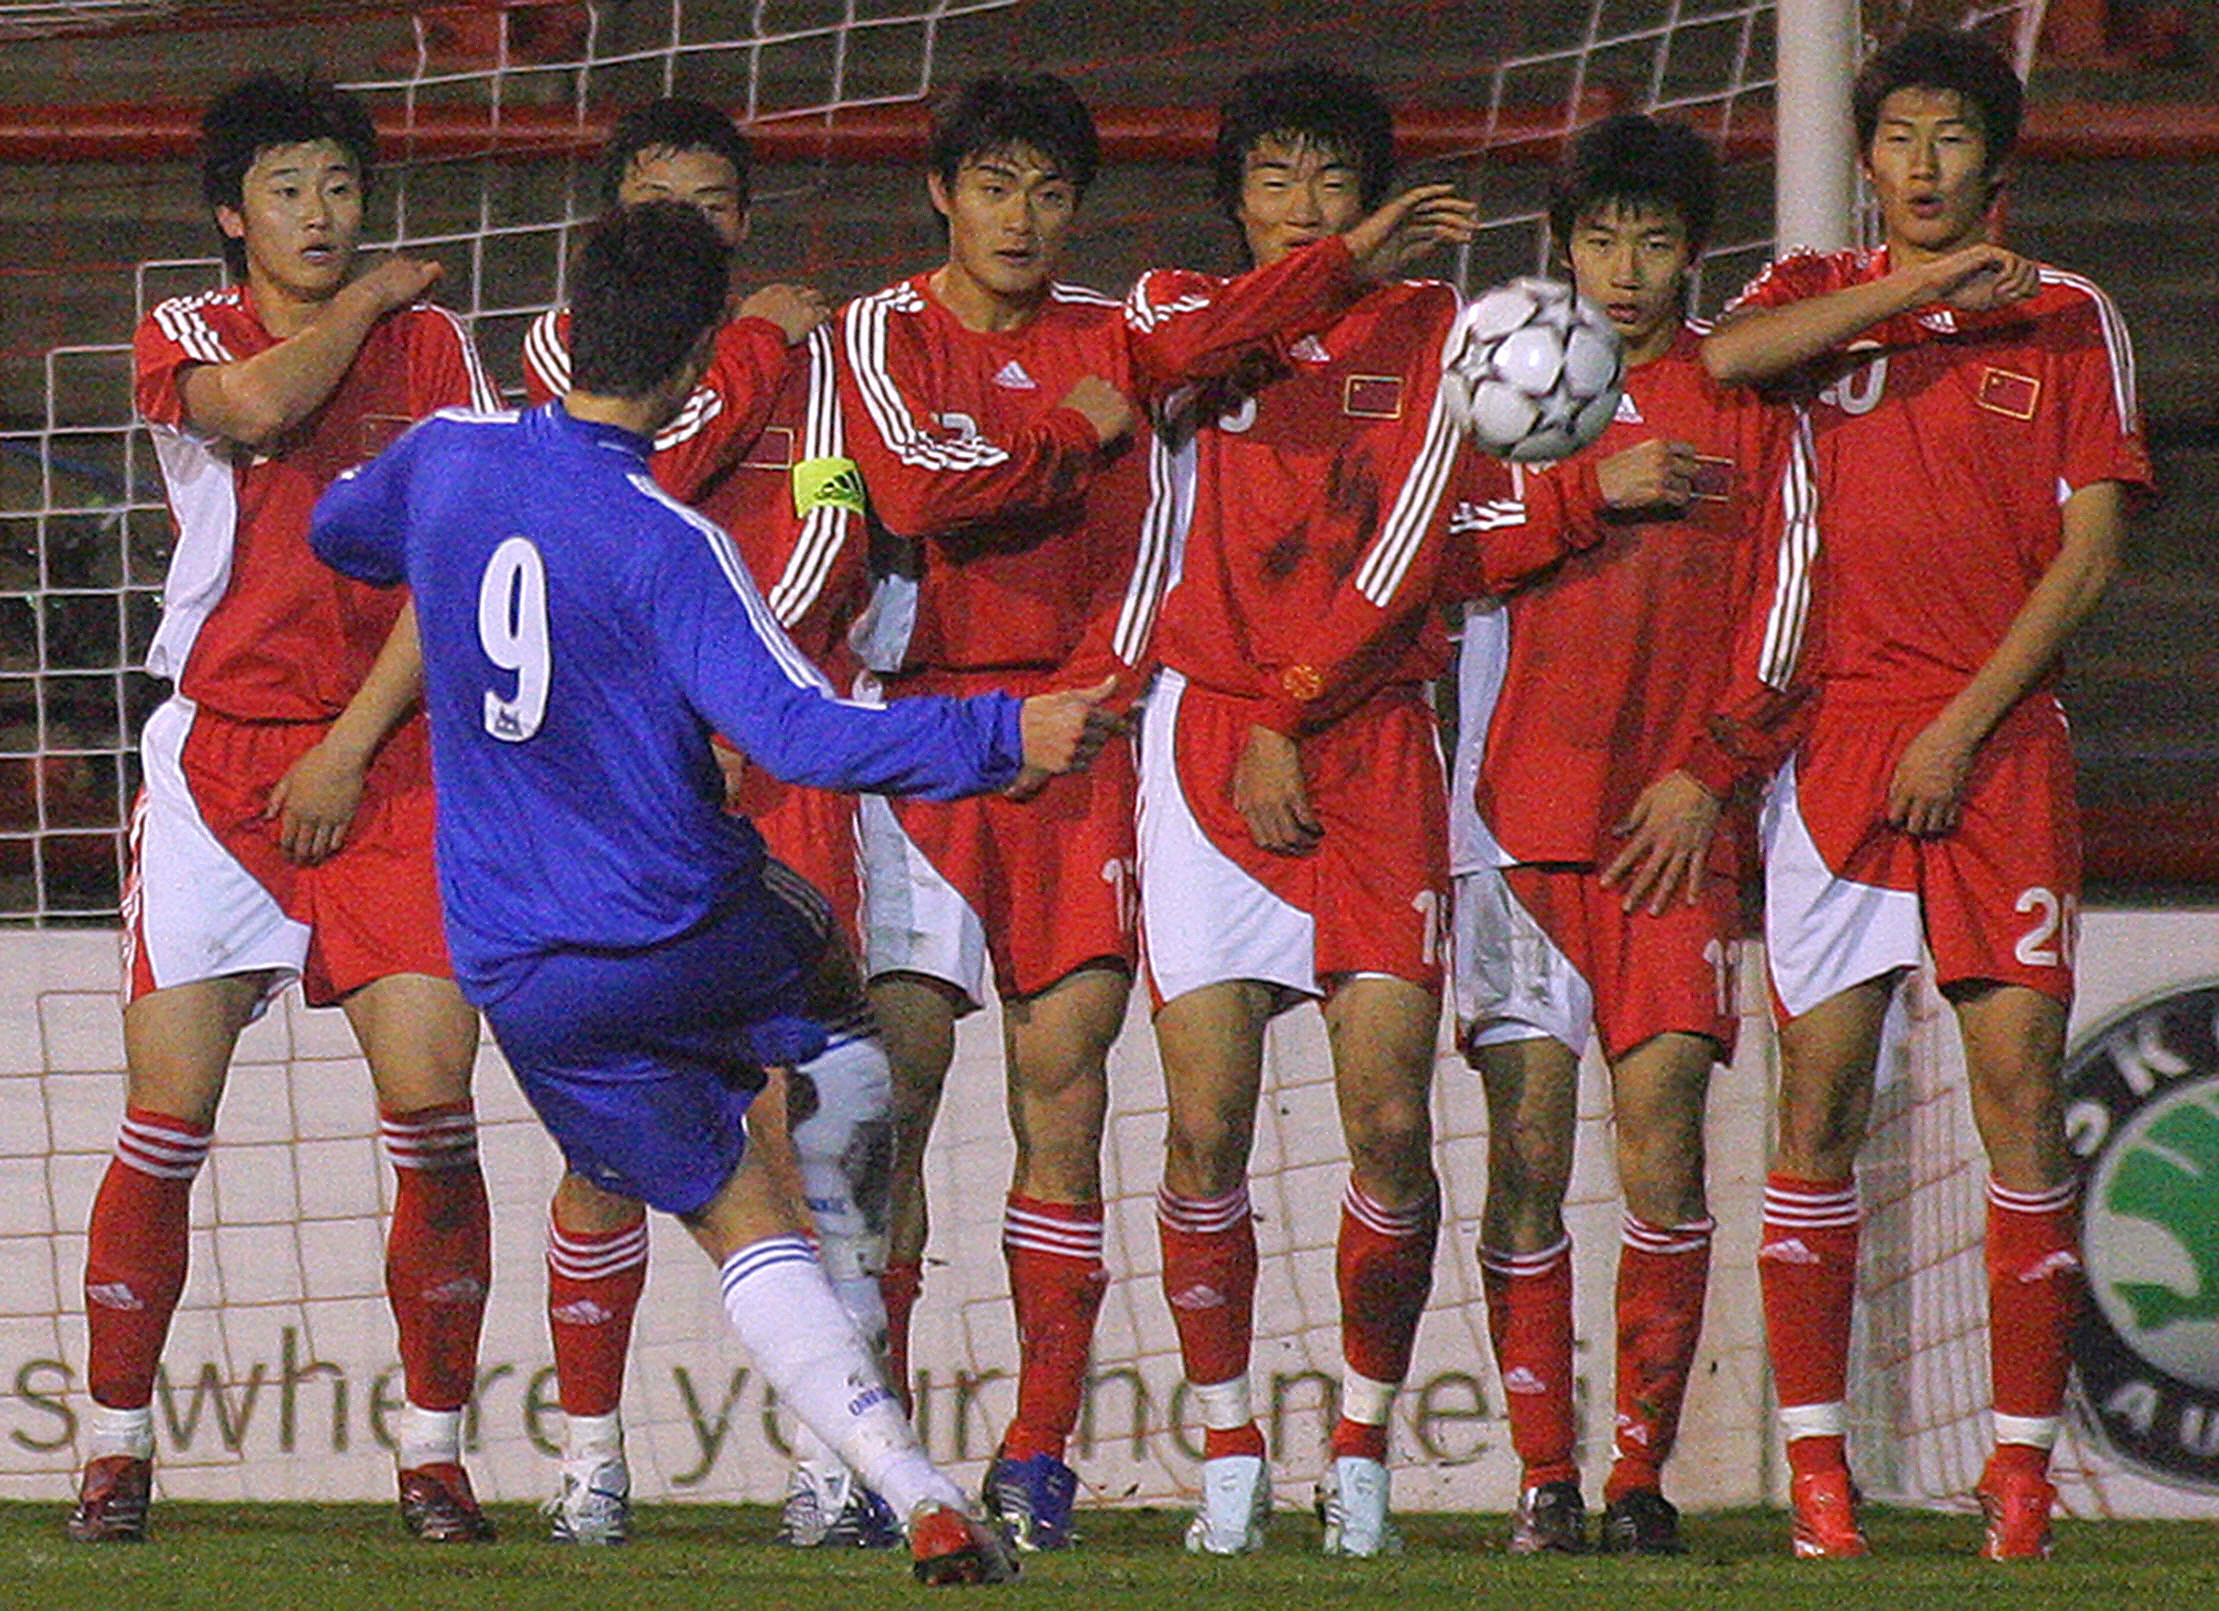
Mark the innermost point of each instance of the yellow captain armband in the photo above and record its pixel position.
(827, 483)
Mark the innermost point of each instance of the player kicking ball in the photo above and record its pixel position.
(1596, 894)
(757, 447)
(285, 828)
(649, 983)
(1977, 441)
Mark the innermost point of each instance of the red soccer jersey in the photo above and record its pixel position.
(1944, 446)
(253, 626)
(760, 449)
(1316, 492)
(1606, 674)
(1023, 535)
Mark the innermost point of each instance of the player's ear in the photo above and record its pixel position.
(232, 222)
(936, 188)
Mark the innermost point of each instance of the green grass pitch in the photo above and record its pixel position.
(327, 1558)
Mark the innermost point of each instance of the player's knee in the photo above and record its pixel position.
(1206, 1156)
(848, 1138)
(2018, 1096)
(1391, 1133)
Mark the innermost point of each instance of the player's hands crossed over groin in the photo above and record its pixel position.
(1269, 793)
(1063, 732)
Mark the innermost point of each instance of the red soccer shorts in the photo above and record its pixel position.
(1548, 950)
(1848, 897)
(1372, 898)
(1041, 887)
(212, 894)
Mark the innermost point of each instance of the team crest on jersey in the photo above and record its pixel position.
(1012, 377)
(1372, 397)
(2005, 391)
(2142, 1116)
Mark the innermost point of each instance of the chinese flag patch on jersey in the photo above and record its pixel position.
(1372, 397)
(2005, 391)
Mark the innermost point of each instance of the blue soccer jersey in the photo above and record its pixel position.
(583, 635)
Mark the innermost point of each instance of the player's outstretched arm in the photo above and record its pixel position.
(256, 400)
(1924, 795)
(1758, 342)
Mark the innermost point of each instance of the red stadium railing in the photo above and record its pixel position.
(2056, 131)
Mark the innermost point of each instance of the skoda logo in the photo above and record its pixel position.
(2142, 1115)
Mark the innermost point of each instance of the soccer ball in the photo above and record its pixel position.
(1532, 370)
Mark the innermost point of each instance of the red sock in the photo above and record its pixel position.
(1385, 1270)
(1209, 1278)
(593, 1290)
(1662, 1271)
(899, 1285)
(1529, 1320)
(1807, 1270)
(1056, 1279)
(2034, 1290)
(135, 1253)
(438, 1255)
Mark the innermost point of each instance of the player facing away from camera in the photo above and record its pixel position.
(758, 448)
(285, 827)
(987, 406)
(1292, 806)
(1976, 440)
(639, 961)
(1596, 893)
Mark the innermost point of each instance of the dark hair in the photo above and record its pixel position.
(1943, 59)
(1634, 161)
(266, 111)
(997, 112)
(671, 124)
(1314, 104)
(651, 279)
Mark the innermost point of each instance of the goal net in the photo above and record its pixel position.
(279, 1381)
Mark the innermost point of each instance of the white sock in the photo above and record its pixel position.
(592, 1440)
(428, 1437)
(113, 1432)
(1225, 1406)
(1365, 1401)
(806, 1347)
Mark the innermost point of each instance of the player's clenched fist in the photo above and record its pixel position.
(1408, 227)
(1063, 732)
(399, 282)
(795, 309)
(1977, 278)
(1652, 475)
(1106, 408)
